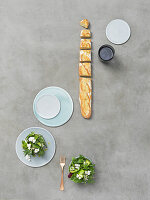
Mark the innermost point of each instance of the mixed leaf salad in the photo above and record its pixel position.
(81, 170)
(34, 144)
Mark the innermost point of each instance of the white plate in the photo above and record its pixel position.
(118, 31)
(48, 106)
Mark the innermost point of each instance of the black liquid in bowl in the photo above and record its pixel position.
(106, 52)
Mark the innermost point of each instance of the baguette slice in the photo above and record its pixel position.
(84, 23)
(85, 55)
(85, 69)
(85, 44)
(85, 33)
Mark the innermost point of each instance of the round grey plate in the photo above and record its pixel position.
(36, 161)
(118, 31)
(48, 106)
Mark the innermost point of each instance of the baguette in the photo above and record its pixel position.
(85, 97)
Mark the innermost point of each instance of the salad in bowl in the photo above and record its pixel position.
(81, 170)
(34, 144)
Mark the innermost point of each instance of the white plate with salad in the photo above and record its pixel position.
(35, 147)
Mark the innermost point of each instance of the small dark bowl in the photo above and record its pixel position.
(108, 46)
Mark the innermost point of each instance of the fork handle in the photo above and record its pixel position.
(62, 181)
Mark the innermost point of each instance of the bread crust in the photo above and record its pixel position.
(85, 97)
(85, 44)
(85, 69)
(84, 23)
(86, 108)
(85, 88)
(86, 33)
(85, 55)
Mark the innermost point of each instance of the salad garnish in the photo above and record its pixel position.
(34, 144)
(81, 170)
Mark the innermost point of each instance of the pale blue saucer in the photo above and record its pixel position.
(36, 161)
(66, 106)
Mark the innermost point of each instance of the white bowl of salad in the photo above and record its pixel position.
(81, 170)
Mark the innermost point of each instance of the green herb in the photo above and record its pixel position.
(81, 170)
(34, 144)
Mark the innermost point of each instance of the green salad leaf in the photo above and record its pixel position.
(81, 170)
(34, 144)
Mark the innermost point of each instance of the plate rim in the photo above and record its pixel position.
(36, 127)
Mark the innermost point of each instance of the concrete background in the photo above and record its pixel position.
(39, 47)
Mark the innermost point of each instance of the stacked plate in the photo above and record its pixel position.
(53, 106)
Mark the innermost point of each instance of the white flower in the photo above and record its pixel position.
(32, 139)
(36, 150)
(77, 166)
(29, 146)
(28, 157)
(88, 172)
(79, 176)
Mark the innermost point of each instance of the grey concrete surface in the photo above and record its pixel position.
(39, 47)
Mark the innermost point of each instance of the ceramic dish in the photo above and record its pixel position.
(118, 31)
(66, 106)
(36, 161)
(48, 106)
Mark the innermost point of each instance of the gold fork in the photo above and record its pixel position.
(62, 164)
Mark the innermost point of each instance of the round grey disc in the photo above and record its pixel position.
(118, 31)
(48, 106)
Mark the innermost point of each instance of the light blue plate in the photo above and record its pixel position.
(66, 106)
(36, 161)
